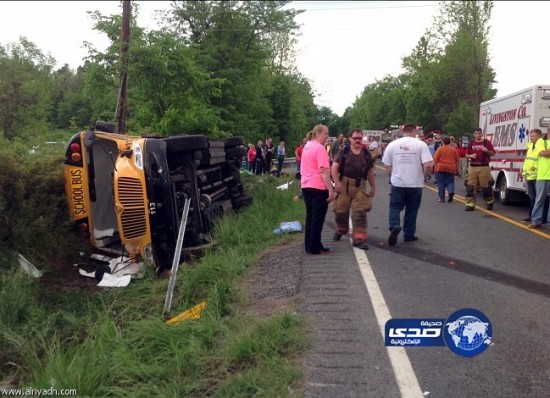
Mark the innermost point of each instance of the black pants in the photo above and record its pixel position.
(316, 210)
(267, 165)
(281, 160)
(259, 166)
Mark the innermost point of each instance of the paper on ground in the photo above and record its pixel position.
(285, 186)
(122, 275)
(27, 266)
(109, 280)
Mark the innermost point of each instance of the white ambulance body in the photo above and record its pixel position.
(506, 122)
(377, 134)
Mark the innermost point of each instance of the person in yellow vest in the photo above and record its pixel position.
(542, 184)
(530, 168)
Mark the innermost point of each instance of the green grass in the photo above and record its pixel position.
(114, 343)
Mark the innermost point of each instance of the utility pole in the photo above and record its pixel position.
(122, 103)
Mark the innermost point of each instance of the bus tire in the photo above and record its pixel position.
(185, 143)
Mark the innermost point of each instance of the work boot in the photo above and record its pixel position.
(392, 239)
(413, 239)
(490, 207)
(470, 208)
(337, 236)
(360, 244)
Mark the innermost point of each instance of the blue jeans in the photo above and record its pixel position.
(445, 180)
(280, 160)
(408, 199)
(532, 192)
(541, 187)
(316, 210)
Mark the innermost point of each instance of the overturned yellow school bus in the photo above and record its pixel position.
(128, 192)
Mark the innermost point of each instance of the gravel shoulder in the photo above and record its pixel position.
(273, 286)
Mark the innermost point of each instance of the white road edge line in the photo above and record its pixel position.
(402, 368)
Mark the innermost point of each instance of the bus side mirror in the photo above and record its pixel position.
(89, 139)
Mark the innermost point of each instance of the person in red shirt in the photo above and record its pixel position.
(251, 156)
(446, 163)
(298, 153)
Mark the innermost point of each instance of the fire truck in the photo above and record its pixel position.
(506, 122)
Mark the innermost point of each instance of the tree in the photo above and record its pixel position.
(450, 71)
(380, 105)
(70, 109)
(168, 92)
(173, 92)
(25, 88)
(466, 61)
(447, 76)
(236, 42)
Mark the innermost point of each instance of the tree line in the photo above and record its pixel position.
(214, 68)
(447, 75)
(224, 68)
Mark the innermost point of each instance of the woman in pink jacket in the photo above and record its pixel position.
(316, 188)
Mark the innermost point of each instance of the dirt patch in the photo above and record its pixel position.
(274, 285)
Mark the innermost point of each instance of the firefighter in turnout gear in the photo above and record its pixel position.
(352, 167)
(479, 153)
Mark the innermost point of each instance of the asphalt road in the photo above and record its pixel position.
(486, 260)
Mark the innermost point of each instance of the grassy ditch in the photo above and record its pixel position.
(114, 343)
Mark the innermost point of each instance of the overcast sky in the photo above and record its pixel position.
(344, 45)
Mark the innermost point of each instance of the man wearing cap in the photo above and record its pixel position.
(479, 152)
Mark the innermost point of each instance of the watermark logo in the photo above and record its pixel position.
(467, 332)
(414, 332)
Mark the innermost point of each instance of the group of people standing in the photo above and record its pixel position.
(408, 162)
(345, 177)
(260, 157)
(536, 171)
(471, 162)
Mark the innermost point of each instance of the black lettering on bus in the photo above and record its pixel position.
(79, 207)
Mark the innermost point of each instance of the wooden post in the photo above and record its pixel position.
(122, 103)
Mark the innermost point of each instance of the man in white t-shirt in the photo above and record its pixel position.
(372, 145)
(408, 162)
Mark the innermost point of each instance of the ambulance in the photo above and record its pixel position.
(506, 122)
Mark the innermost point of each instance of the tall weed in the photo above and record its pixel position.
(115, 343)
(33, 211)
